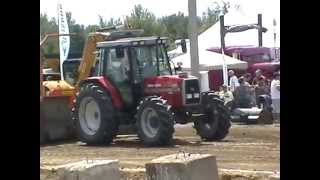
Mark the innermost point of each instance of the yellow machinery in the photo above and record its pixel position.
(55, 97)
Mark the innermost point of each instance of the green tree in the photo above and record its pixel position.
(49, 26)
(176, 26)
(211, 16)
(77, 41)
(141, 18)
(110, 22)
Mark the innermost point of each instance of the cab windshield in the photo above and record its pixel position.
(151, 60)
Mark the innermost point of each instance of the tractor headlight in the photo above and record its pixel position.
(196, 95)
(189, 96)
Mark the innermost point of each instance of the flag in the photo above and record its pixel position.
(64, 41)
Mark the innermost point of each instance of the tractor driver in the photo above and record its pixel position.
(149, 69)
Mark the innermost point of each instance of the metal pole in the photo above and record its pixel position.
(193, 35)
(260, 29)
(223, 46)
(222, 33)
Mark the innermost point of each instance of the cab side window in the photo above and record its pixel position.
(96, 63)
(118, 64)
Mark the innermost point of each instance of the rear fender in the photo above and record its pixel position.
(108, 87)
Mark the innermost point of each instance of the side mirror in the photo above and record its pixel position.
(183, 46)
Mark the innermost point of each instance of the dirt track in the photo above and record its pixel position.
(253, 147)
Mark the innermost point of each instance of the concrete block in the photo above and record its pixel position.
(183, 166)
(237, 174)
(132, 173)
(88, 170)
(274, 177)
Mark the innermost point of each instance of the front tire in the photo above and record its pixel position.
(155, 122)
(94, 116)
(215, 125)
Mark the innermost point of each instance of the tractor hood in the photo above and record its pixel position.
(166, 81)
(174, 89)
(163, 83)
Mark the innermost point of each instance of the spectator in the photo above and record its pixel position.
(275, 95)
(258, 77)
(261, 89)
(233, 81)
(247, 78)
(225, 94)
(243, 98)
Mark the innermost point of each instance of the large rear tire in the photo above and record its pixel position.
(155, 122)
(215, 125)
(94, 116)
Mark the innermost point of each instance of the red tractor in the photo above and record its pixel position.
(132, 83)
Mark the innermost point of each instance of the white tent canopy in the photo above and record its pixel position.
(208, 60)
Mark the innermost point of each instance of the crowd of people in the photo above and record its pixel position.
(244, 91)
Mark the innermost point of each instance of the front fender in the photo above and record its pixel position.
(209, 99)
(210, 96)
(108, 87)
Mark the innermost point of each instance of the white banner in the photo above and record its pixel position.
(64, 41)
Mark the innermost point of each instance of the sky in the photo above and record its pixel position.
(86, 11)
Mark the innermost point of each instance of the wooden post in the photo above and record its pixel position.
(193, 35)
(260, 29)
(222, 33)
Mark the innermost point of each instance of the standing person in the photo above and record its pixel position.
(233, 81)
(275, 95)
(261, 89)
(247, 78)
(242, 95)
(258, 77)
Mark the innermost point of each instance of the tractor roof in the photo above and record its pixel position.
(133, 41)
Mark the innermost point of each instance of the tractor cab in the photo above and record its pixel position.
(128, 62)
